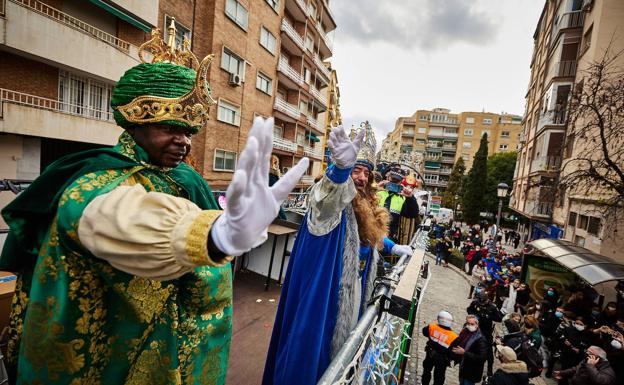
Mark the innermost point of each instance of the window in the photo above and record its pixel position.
(264, 83)
(228, 113)
(312, 10)
(423, 118)
(503, 147)
(421, 141)
(485, 132)
(181, 32)
(468, 131)
(278, 131)
(237, 13)
(583, 220)
(467, 145)
(504, 134)
(465, 157)
(593, 227)
(303, 107)
(84, 96)
(307, 75)
(487, 121)
(267, 40)
(422, 130)
(273, 4)
(232, 63)
(470, 120)
(224, 160)
(309, 43)
(301, 140)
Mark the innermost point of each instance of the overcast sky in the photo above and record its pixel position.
(394, 57)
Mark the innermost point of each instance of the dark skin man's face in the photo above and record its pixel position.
(167, 145)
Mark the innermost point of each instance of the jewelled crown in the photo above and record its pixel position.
(189, 109)
(366, 155)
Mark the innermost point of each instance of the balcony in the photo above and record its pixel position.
(143, 9)
(436, 183)
(323, 69)
(287, 108)
(572, 19)
(290, 31)
(31, 115)
(284, 144)
(448, 159)
(324, 38)
(408, 133)
(538, 209)
(45, 32)
(307, 179)
(546, 164)
(551, 118)
(445, 171)
(319, 96)
(314, 124)
(291, 73)
(313, 152)
(449, 149)
(563, 69)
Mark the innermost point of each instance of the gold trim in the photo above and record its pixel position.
(197, 239)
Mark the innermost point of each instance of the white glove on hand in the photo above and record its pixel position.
(344, 151)
(401, 250)
(251, 204)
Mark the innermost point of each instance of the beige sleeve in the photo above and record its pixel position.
(148, 234)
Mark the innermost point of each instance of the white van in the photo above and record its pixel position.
(444, 215)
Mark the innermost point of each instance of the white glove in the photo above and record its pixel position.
(251, 204)
(401, 250)
(344, 151)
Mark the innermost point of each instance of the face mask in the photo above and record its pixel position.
(617, 345)
(595, 313)
(551, 293)
(558, 314)
(578, 327)
(471, 328)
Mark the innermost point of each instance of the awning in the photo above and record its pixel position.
(312, 137)
(591, 267)
(124, 16)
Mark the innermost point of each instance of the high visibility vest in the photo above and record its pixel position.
(441, 336)
(396, 202)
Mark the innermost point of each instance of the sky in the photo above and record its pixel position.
(394, 57)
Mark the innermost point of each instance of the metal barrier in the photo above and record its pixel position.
(352, 363)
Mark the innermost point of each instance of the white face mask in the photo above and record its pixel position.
(617, 345)
(578, 327)
(472, 328)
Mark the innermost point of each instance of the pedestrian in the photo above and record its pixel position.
(507, 233)
(447, 245)
(511, 371)
(439, 246)
(440, 336)
(487, 313)
(457, 238)
(477, 277)
(516, 241)
(593, 370)
(470, 350)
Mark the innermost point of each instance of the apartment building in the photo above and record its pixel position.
(60, 60)
(443, 137)
(569, 35)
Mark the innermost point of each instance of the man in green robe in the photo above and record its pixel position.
(121, 254)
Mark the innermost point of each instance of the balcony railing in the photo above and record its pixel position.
(302, 5)
(292, 33)
(565, 68)
(447, 159)
(14, 97)
(445, 171)
(287, 108)
(313, 152)
(324, 36)
(314, 123)
(318, 95)
(551, 118)
(321, 67)
(408, 133)
(572, 19)
(307, 179)
(546, 164)
(438, 183)
(536, 208)
(285, 68)
(73, 22)
(284, 144)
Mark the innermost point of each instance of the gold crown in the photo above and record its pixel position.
(191, 108)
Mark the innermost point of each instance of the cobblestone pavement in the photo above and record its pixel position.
(447, 290)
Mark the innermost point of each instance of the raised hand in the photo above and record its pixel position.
(343, 150)
(251, 204)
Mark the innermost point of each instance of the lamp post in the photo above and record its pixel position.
(501, 191)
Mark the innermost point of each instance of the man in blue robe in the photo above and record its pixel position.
(333, 265)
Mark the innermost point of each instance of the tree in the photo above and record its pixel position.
(500, 169)
(593, 165)
(455, 185)
(473, 197)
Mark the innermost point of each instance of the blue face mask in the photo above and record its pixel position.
(558, 314)
(551, 293)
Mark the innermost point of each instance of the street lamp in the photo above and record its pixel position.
(501, 191)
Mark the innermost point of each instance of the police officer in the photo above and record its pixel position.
(440, 336)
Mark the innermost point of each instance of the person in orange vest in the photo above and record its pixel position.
(438, 357)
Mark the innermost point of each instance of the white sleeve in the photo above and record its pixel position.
(327, 200)
(148, 234)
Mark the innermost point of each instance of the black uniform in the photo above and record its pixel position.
(487, 314)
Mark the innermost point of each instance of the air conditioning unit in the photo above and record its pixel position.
(235, 80)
